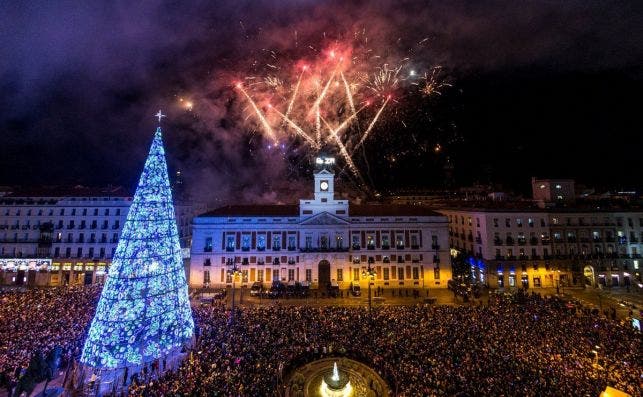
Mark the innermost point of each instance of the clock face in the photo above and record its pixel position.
(323, 185)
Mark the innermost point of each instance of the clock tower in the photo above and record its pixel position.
(324, 200)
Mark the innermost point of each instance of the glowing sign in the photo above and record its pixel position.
(325, 160)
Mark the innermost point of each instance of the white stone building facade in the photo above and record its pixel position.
(322, 240)
(549, 248)
(66, 236)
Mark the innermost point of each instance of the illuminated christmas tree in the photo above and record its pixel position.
(144, 313)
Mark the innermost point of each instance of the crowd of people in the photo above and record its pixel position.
(517, 345)
(40, 319)
(520, 344)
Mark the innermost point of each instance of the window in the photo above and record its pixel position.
(106, 213)
(118, 211)
(292, 242)
(469, 221)
(519, 222)
(399, 241)
(261, 242)
(208, 245)
(416, 273)
(206, 277)
(79, 252)
(478, 222)
(507, 222)
(356, 241)
(495, 222)
(73, 212)
(260, 275)
(309, 242)
(385, 241)
(414, 240)
(230, 243)
(400, 273)
(340, 274)
(245, 242)
(291, 274)
(323, 242)
(386, 273)
(276, 242)
(436, 273)
(355, 274)
(339, 241)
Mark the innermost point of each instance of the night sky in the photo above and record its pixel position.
(538, 88)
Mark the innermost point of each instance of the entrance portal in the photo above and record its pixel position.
(323, 274)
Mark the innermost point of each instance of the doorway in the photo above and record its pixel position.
(323, 273)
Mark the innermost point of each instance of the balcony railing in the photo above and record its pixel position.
(324, 249)
(435, 247)
(497, 241)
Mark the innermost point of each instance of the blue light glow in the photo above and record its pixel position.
(144, 312)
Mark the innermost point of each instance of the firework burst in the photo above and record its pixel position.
(331, 99)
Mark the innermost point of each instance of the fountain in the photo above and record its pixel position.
(335, 384)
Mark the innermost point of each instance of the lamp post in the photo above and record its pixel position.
(234, 272)
(369, 274)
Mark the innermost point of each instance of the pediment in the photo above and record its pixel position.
(324, 218)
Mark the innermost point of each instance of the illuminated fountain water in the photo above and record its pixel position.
(335, 384)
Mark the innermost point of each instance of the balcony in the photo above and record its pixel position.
(571, 239)
(478, 240)
(291, 261)
(510, 241)
(534, 241)
(70, 226)
(229, 249)
(245, 249)
(497, 241)
(355, 247)
(263, 248)
(292, 248)
(399, 247)
(609, 239)
(435, 247)
(415, 247)
(205, 249)
(522, 241)
(386, 260)
(385, 246)
(370, 247)
(545, 241)
(324, 249)
(276, 247)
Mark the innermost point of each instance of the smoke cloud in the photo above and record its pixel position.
(81, 81)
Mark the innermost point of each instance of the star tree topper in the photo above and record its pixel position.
(160, 115)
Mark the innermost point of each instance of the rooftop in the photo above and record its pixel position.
(67, 191)
(293, 210)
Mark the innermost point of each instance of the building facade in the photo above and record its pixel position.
(537, 248)
(66, 236)
(321, 241)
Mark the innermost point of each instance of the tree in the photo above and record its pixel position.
(460, 267)
(144, 312)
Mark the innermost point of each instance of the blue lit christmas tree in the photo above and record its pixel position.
(144, 313)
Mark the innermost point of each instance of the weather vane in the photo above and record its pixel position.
(160, 115)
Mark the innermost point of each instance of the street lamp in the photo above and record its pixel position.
(233, 272)
(369, 273)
